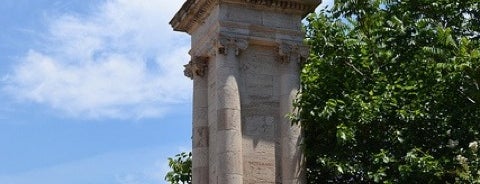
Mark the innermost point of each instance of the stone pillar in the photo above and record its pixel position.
(196, 69)
(290, 58)
(229, 128)
(254, 48)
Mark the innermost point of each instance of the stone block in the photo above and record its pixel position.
(259, 53)
(212, 95)
(259, 64)
(292, 147)
(228, 119)
(237, 13)
(211, 71)
(259, 86)
(233, 164)
(212, 164)
(280, 20)
(255, 147)
(201, 158)
(201, 175)
(260, 127)
(261, 108)
(200, 137)
(200, 117)
(289, 84)
(230, 141)
(200, 97)
(263, 32)
(259, 169)
(228, 97)
(230, 179)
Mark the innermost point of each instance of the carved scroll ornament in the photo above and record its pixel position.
(227, 43)
(289, 51)
(196, 67)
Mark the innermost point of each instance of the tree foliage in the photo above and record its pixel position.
(181, 169)
(391, 92)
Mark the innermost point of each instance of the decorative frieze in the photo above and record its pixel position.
(227, 43)
(196, 67)
(290, 51)
(293, 5)
(194, 12)
(184, 19)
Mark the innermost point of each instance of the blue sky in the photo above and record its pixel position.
(91, 91)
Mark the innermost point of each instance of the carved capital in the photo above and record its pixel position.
(225, 44)
(292, 51)
(196, 67)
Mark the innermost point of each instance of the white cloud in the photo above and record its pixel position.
(122, 60)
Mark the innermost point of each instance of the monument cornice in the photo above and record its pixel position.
(194, 12)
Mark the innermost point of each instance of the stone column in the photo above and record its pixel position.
(196, 69)
(229, 129)
(291, 154)
(250, 140)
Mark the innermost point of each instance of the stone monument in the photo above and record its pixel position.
(246, 56)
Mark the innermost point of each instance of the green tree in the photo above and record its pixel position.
(181, 169)
(390, 93)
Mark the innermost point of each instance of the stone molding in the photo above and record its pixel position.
(194, 12)
(196, 67)
(301, 6)
(227, 43)
(290, 51)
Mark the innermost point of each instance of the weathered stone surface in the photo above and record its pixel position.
(201, 176)
(260, 127)
(230, 95)
(231, 44)
(196, 67)
(233, 164)
(259, 170)
(231, 140)
(196, 70)
(201, 96)
(228, 119)
(245, 67)
(200, 137)
(201, 159)
(260, 86)
(231, 178)
(200, 115)
(259, 63)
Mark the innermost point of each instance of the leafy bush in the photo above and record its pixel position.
(181, 169)
(391, 94)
